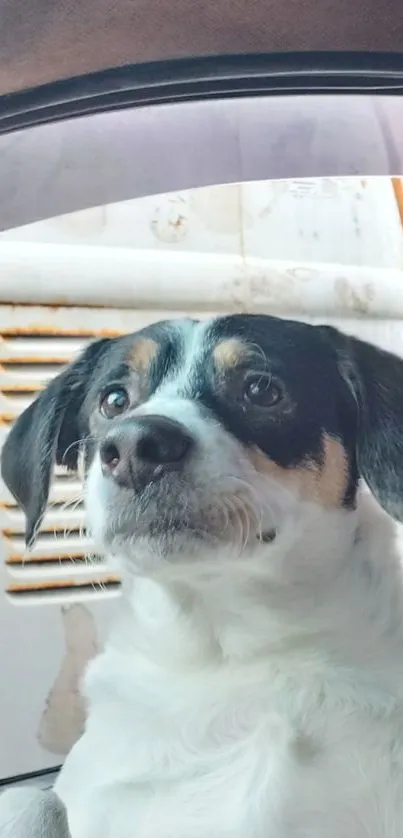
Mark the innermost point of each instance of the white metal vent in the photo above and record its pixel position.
(55, 606)
(58, 565)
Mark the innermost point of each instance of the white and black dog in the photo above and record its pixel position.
(253, 686)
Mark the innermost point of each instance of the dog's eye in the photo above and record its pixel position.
(262, 390)
(114, 402)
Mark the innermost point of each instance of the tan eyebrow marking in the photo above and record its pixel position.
(324, 484)
(142, 354)
(230, 352)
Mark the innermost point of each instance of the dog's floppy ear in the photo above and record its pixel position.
(375, 380)
(45, 434)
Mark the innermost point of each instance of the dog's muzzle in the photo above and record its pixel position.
(139, 451)
(160, 484)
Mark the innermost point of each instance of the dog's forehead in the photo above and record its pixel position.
(183, 348)
(173, 344)
(227, 337)
(274, 336)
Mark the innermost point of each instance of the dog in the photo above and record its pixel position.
(243, 473)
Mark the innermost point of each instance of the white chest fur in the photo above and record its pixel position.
(210, 719)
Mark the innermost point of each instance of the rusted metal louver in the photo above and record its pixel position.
(59, 565)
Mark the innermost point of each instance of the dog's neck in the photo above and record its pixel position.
(329, 581)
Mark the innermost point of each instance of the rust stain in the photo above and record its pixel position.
(13, 360)
(169, 223)
(46, 330)
(57, 532)
(65, 302)
(178, 222)
(62, 584)
(397, 185)
(57, 304)
(19, 560)
(24, 387)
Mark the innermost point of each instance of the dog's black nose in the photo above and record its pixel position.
(137, 451)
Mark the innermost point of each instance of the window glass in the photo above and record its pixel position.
(290, 206)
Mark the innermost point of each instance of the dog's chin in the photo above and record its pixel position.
(176, 540)
(143, 540)
(172, 521)
(147, 548)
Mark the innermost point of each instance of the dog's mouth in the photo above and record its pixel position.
(179, 513)
(173, 516)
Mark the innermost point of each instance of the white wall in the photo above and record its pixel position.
(345, 220)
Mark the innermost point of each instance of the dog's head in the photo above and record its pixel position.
(203, 434)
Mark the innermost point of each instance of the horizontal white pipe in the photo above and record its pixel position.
(109, 276)
(54, 274)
